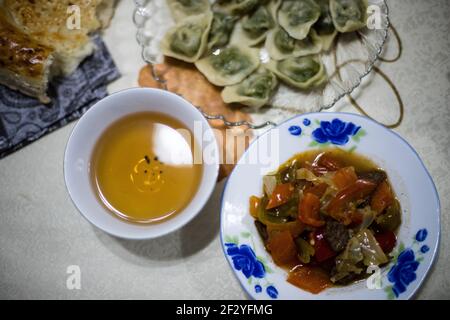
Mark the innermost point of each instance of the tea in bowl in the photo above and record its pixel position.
(141, 163)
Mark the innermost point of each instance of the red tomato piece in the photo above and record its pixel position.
(382, 198)
(344, 177)
(387, 241)
(282, 248)
(318, 189)
(357, 190)
(325, 160)
(322, 249)
(280, 195)
(308, 210)
(311, 279)
(255, 202)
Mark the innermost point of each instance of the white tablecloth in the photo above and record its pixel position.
(41, 232)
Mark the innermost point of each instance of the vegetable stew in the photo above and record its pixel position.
(326, 216)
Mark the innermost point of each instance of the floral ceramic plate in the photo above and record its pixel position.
(418, 236)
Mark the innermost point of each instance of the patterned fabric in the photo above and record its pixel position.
(24, 119)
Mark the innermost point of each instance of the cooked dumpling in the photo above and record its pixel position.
(300, 72)
(237, 7)
(229, 66)
(188, 39)
(273, 7)
(257, 24)
(310, 45)
(297, 17)
(255, 91)
(252, 29)
(221, 29)
(324, 26)
(348, 15)
(183, 8)
(280, 45)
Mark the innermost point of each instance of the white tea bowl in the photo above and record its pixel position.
(90, 127)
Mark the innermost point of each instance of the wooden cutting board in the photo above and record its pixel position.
(184, 79)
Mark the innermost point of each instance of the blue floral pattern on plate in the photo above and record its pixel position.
(245, 260)
(403, 272)
(421, 235)
(424, 249)
(335, 132)
(272, 292)
(295, 130)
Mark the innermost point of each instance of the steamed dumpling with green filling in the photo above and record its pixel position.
(310, 45)
(183, 8)
(324, 26)
(297, 17)
(188, 39)
(237, 7)
(256, 25)
(229, 65)
(349, 15)
(221, 29)
(301, 72)
(280, 45)
(255, 91)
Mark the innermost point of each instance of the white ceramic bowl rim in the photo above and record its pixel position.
(417, 284)
(90, 127)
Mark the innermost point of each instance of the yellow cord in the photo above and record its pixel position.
(384, 76)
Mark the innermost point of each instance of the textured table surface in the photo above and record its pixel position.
(41, 232)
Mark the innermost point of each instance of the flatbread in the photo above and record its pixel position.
(24, 63)
(42, 26)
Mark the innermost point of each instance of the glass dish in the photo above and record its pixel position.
(350, 60)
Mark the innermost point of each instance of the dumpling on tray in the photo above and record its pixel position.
(221, 29)
(237, 7)
(255, 91)
(253, 28)
(349, 15)
(302, 72)
(229, 65)
(324, 26)
(298, 16)
(237, 43)
(188, 39)
(184, 8)
(280, 45)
